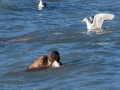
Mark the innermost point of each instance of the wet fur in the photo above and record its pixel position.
(45, 61)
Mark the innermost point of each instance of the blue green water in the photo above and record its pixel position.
(91, 59)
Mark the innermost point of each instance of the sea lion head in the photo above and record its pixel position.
(55, 59)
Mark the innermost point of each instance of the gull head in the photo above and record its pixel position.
(84, 20)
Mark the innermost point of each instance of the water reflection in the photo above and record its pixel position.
(96, 31)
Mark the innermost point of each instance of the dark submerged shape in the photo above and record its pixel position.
(45, 5)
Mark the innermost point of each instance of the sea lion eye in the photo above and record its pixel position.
(50, 60)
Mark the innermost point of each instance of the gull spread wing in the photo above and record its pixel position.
(99, 18)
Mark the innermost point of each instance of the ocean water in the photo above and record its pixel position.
(91, 60)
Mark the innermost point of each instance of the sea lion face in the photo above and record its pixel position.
(55, 59)
(55, 56)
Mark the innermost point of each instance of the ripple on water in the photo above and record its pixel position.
(91, 59)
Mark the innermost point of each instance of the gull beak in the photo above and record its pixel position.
(82, 21)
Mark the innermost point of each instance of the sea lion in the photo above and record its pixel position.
(46, 61)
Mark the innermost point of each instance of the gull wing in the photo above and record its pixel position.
(99, 18)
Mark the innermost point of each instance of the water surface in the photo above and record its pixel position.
(91, 58)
